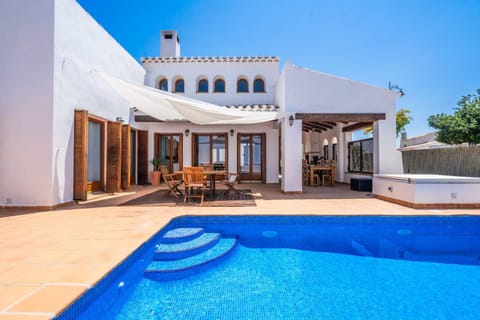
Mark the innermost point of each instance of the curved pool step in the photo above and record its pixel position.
(181, 235)
(180, 268)
(171, 251)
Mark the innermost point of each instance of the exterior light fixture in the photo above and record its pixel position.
(187, 132)
(119, 119)
(231, 132)
(290, 120)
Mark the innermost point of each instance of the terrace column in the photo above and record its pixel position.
(291, 156)
(341, 153)
(387, 158)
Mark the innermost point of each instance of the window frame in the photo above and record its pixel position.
(362, 166)
(215, 86)
(195, 135)
(263, 86)
(246, 82)
(99, 185)
(199, 82)
(160, 84)
(175, 90)
(156, 148)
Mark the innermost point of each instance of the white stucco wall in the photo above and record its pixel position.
(314, 92)
(229, 71)
(48, 55)
(428, 189)
(82, 45)
(270, 130)
(26, 101)
(281, 91)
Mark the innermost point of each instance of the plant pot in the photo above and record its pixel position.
(155, 178)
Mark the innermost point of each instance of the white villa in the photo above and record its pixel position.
(79, 114)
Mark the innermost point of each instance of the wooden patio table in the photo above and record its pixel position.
(320, 167)
(211, 174)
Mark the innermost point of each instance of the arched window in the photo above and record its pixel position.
(179, 85)
(163, 85)
(219, 85)
(258, 85)
(202, 85)
(242, 85)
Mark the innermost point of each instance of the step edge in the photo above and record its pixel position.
(218, 237)
(173, 240)
(171, 271)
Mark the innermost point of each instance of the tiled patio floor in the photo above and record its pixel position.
(48, 259)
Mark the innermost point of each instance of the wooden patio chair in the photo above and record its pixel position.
(230, 182)
(209, 167)
(194, 180)
(172, 181)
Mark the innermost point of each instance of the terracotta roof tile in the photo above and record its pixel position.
(254, 107)
(209, 59)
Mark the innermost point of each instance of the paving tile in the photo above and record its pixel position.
(23, 317)
(10, 294)
(81, 243)
(49, 299)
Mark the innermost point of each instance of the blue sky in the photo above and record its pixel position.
(431, 49)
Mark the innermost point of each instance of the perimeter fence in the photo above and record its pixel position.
(455, 161)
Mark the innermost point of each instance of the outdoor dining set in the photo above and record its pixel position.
(196, 181)
(320, 173)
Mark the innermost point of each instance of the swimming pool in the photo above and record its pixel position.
(290, 267)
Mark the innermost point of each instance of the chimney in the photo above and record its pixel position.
(403, 136)
(169, 44)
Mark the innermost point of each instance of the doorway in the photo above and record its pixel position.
(169, 148)
(95, 158)
(251, 157)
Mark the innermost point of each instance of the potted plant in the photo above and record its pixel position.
(155, 175)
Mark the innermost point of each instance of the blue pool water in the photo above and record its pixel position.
(298, 268)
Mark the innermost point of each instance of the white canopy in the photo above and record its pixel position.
(167, 106)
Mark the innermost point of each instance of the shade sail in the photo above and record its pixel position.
(170, 107)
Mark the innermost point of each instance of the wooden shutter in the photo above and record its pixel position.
(142, 157)
(125, 157)
(80, 147)
(114, 156)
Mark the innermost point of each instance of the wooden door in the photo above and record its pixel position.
(142, 156)
(114, 157)
(126, 156)
(80, 155)
(251, 156)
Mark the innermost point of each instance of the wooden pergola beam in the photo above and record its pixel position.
(357, 126)
(340, 117)
(322, 124)
(316, 126)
